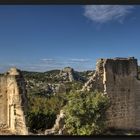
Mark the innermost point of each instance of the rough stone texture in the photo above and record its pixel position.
(13, 102)
(118, 78)
(96, 81)
(67, 74)
(58, 128)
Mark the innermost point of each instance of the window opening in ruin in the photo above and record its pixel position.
(14, 109)
(114, 78)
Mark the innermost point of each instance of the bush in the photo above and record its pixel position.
(40, 121)
(85, 113)
(42, 112)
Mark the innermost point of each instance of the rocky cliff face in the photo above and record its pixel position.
(67, 74)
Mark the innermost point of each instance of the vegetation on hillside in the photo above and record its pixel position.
(85, 112)
(48, 77)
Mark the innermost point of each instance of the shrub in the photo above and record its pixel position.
(85, 113)
(42, 111)
(40, 121)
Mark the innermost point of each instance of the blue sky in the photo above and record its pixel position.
(41, 38)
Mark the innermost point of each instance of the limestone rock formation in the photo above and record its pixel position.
(118, 79)
(67, 74)
(58, 127)
(13, 102)
(70, 75)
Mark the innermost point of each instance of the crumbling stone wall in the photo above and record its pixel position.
(118, 79)
(59, 126)
(96, 81)
(13, 102)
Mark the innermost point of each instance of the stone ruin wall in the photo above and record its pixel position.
(123, 88)
(13, 102)
(118, 78)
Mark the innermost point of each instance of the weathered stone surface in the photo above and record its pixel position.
(96, 81)
(67, 74)
(58, 127)
(13, 102)
(118, 78)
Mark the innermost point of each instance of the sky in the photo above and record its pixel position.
(46, 37)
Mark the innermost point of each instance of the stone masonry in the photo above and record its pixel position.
(13, 102)
(118, 79)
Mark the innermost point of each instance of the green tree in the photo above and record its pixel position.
(40, 121)
(42, 111)
(85, 113)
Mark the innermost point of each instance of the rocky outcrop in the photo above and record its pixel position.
(58, 128)
(13, 102)
(67, 74)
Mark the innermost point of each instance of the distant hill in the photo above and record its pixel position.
(55, 81)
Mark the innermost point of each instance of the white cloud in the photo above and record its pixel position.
(105, 13)
(79, 60)
(46, 64)
(48, 59)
